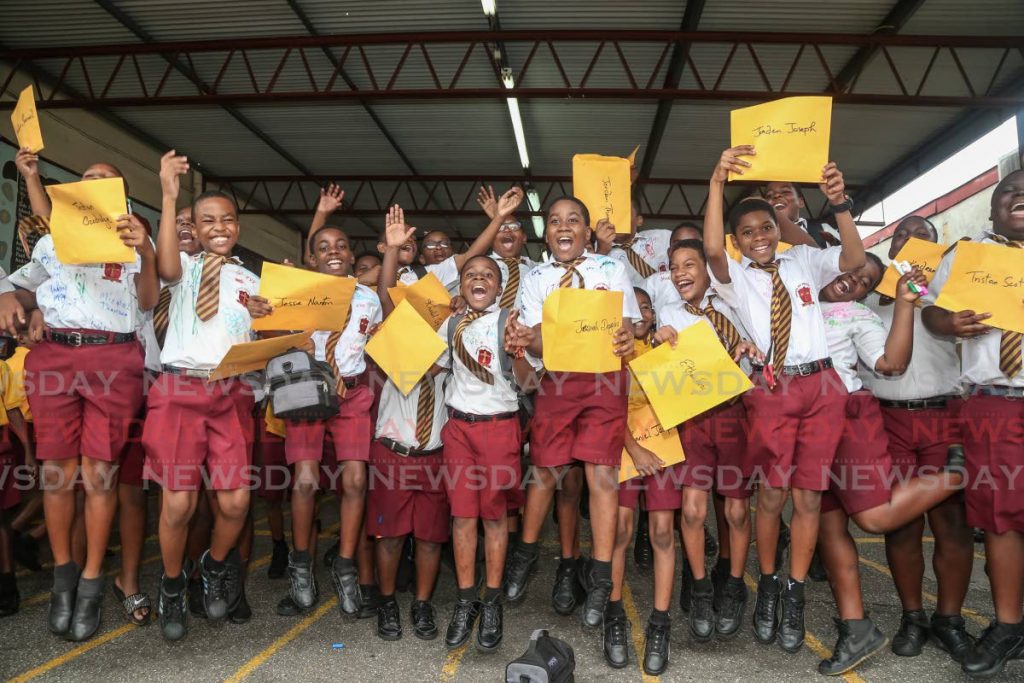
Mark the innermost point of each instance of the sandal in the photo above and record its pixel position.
(134, 603)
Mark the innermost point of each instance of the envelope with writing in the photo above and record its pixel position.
(917, 252)
(603, 183)
(427, 296)
(987, 278)
(83, 222)
(577, 328)
(737, 255)
(405, 347)
(790, 135)
(692, 378)
(303, 299)
(253, 356)
(664, 443)
(26, 121)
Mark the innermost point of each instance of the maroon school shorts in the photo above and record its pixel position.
(579, 417)
(994, 445)
(275, 477)
(406, 495)
(481, 461)
(193, 425)
(350, 431)
(794, 430)
(861, 471)
(83, 398)
(920, 439)
(662, 491)
(715, 445)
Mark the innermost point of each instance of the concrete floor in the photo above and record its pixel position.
(323, 645)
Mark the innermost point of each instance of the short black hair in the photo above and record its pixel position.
(212, 194)
(696, 245)
(364, 254)
(742, 208)
(569, 198)
(873, 258)
(931, 226)
(640, 291)
(494, 264)
(312, 237)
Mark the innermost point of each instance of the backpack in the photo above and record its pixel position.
(301, 388)
(546, 660)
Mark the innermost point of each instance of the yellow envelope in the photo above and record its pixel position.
(253, 356)
(405, 347)
(427, 296)
(83, 222)
(921, 253)
(26, 121)
(790, 136)
(987, 278)
(737, 255)
(303, 299)
(664, 443)
(602, 183)
(632, 157)
(690, 379)
(275, 425)
(577, 329)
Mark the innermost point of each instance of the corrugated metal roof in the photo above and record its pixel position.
(59, 22)
(812, 16)
(572, 14)
(955, 17)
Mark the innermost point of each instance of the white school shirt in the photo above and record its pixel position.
(980, 354)
(5, 283)
(396, 418)
(854, 334)
(660, 288)
(934, 369)
(146, 333)
(652, 246)
(599, 273)
(349, 353)
(446, 271)
(805, 271)
(675, 314)
(200, 345)
(825, 227)
(525, 266)
(93, 296)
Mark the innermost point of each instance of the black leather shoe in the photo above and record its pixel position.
(367, 602)
(302, 586)
(702, 611)
(686, 588)
(596, 602)
(172, 612)
(567, 592)
(424, 626)
(286, 607)
(817, 572)
(195, 598)
(731, 607)
(346, 585)
(10, 600)
(62, 607)
(766, 609)
(950, 635)
(520, 568)
(278, 561)
(460, 627)
(857, 641)
(656, 648)
(783, 545)
(389, 621)
(86, 619)
(215, 590)
(643, 551)
(997, 645)
(710, 543)
(616, 641)
(234, 581)
(490, 629)
(912, 634)
(791, 626)
(241, 613)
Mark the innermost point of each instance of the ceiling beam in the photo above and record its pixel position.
(893, 23)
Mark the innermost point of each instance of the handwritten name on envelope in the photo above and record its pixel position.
(923, 254)
(303, 299)
(25, 119)
(577, 328)
(253, 356)
(790, 135)
(428, 297)
(692, 378)
(83, 221)
(647, 432)
(603, 185)
(405, 347)
(987, 278)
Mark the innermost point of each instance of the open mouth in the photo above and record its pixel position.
(779, 206)
(335, 263)
(684, 285)
(843, 287)
(478, 292)
(1017, 209)
(219, 241)
(564, 241)
(185, 236)
(761, 248)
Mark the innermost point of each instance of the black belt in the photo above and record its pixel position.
(801, 370)
(353, 381)
(404, 450)
(185, 372)
(78, 338)
(470, 417)
(917, 403)
(997, 390)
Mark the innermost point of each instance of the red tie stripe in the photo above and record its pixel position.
(481, 373)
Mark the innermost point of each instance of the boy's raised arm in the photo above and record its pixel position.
(714, 225)
(396, 233)
(168, 260)
(832, 186)
(507, 205)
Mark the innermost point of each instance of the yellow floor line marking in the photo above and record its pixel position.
(810, 640)
(452, 662)
(73, 654)
(638, 632)
(968, 613)
(294, 632)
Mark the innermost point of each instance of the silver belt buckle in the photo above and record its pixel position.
(76, 339)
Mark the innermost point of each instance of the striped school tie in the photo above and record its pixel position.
(508, 295)
(481, 373)
(723, 326)
(636, 260)
(425, 411)
(570, 272)
(782, 314)
(332, 359)
(162, 315)
(1010, 360)
(208, 298)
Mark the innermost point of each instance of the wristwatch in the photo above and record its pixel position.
(847, 205)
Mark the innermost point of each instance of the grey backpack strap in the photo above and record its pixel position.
(453, 322)
(504, 360)
(420, 270)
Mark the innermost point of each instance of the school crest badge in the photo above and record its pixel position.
(804, 294)
(364, 324)
(484, 357)
(243, 297)
(112, 271)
